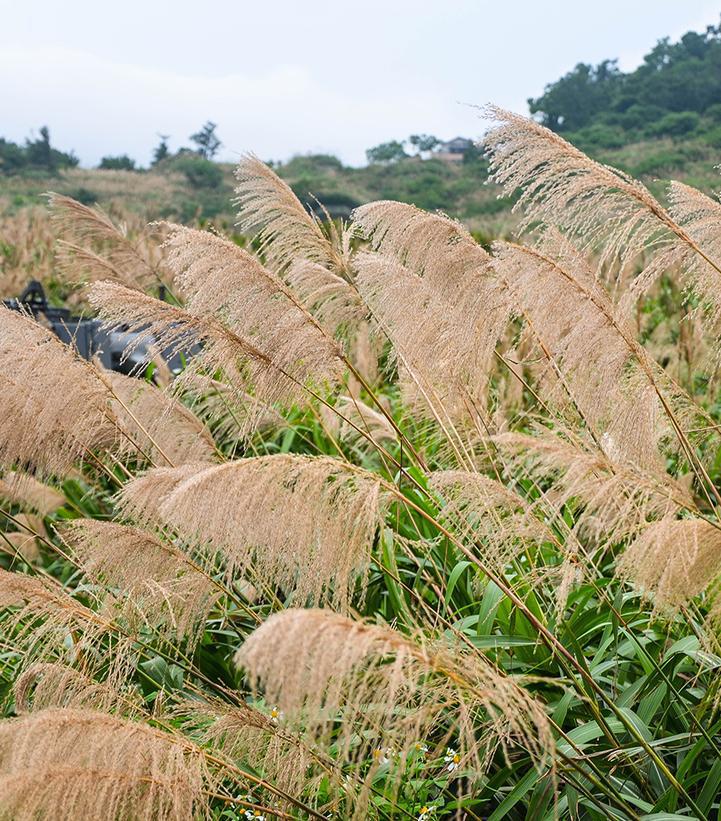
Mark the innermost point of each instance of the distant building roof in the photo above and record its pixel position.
(458, 145)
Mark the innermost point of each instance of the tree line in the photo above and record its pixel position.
(38, 154)
(675, 92)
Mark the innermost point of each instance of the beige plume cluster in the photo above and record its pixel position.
(524, 431)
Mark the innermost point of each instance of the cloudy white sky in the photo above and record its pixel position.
(293, 76)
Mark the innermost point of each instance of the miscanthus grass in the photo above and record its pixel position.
(421, 530)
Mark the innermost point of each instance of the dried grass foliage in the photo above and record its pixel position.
(389, 690)
(330, 297)
(431, 245)
(30, 241)
(74, 763)
(353, 421)
(239, 731)
(435, 292)
(562, 187)
(159, 426)
(699, 217)
(444, 351)
(28, 492)
(41, 617)
(488, 512)
(153, 582)
(47, 685)
(588, 349)
(618, 499)
(304, 523)
(673, 560)
(607, 211)
(94, 247)
(219, 279)
(286, 231)
(53, 405)
(280, 375)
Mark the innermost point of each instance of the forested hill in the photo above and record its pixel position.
(675, 92)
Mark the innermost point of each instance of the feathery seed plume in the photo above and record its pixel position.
(673, 560)
(96, 248)
(269, 210)
(27, 491)
(387, 690)
(305, 523)
(53, 405)
(155, 581)
(160, 426)
(83, 764)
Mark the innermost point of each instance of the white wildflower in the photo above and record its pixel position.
(451, 759)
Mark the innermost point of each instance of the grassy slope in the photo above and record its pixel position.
(459, 190)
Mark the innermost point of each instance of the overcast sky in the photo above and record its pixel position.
(282, 77)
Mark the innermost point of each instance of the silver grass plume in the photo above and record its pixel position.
(141, 498)
(53, 407)
(593, 359)
(26, 540)
(388, 691)
(304, 523)
(159, 426)
(603, 207)
(431, 245)
(328, 295)
(48, 684)
(27, 491)
(42, 617)
(219, 349)
(672, 561)
(219, 279)
(94, 247)
(83, 764)
(461, 294)
(229, 412)
(620, 499)
(242, 731)
(488, 511)
(700, 217)
(245, 365)
(286, 231)
(351, 420)
(153, 582)
(444, 350)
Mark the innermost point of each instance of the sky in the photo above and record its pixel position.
(285, 77)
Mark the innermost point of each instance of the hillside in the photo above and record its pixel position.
(459, 189)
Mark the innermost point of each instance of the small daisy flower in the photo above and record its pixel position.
(256, 815)
(425, 813)
(276, 715)
(451, 759)
(383, 756)
(422, 749)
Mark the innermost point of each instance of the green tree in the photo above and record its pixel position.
(573, 101)
(207, 141)
(385, 153)
(161, 151)
(674, 78)
(120, 163)
(40, 154)
(424, 143)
